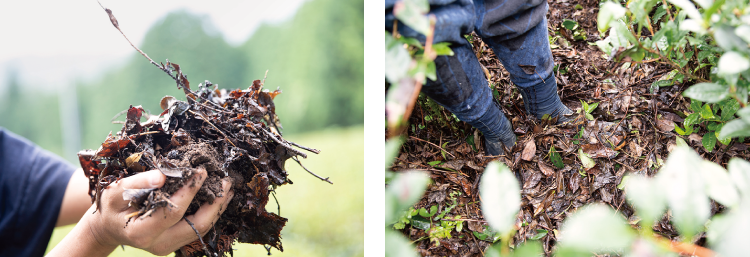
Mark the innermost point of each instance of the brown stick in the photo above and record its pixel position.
(205, 249)
(316, 151)
(311, 173)
(412, 137)
(212, 125)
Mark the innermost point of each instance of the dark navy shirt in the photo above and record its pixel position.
(32, 186)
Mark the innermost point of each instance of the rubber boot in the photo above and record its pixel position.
(542, 99)
(495, 137)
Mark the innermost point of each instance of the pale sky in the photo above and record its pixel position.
(52, 42)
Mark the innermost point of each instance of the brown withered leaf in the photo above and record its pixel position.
(635, 149)
(598, 151)
(529, 150)
(665, 125)
(547, 170)
(532, 179)
(111, 146)
(460, 181)
(258, 195)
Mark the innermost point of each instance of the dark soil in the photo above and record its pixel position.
(629, 119)
(235, 134)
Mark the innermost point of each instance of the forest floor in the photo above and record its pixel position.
(632, 132)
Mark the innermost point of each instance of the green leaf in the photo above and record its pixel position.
(683, 132)
(529, 249)
(594, 228)
(722, 140)
(692, 119)
(480, 236)
(411, 41)
(709, 141)
(570, 24)
(743, 31)
(728, 109)
(688, 7)
(586, 161)
(420, 223)
(733, 63)
(707, 92)
(610, 11)
(443, 48)
(433, 210)
(501, 197)
(403, 191)
(707, 113)
(727, 40)
(735, 128)
(555, 158)
(739, 172)
(744, 113)
(590, 108)
(540, 233)
(718, 184)
(696, 105)
(684, 188)
(397, 60)
(397, 245)
(470, 141)
(648, 199)
(434, 163)
(729, 232)
(412, 13)
(694, 25)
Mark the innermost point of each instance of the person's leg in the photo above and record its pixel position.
(460, 86)
(462, 89)
(521, 42)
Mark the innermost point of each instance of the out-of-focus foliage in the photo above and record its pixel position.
(316, 58)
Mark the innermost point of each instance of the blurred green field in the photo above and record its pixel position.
(324, 219)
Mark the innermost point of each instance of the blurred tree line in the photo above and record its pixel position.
(315, 58)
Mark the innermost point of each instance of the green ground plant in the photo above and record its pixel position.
(705, 44)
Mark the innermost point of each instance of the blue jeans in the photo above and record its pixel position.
(517, 33)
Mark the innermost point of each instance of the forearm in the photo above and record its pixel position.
(83, 240)
(76, 200)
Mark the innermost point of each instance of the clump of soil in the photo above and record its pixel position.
(228, 134)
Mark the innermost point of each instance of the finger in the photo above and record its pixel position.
(181, 200)
(112, 196)
(203, 220)
(144, 180)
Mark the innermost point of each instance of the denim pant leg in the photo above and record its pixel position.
(460, 86)
(527, 57)
(462, 89)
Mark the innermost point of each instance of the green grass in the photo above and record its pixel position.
(324, 219)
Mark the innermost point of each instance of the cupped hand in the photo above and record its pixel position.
(161, 233)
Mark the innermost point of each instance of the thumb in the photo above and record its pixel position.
(144, 180)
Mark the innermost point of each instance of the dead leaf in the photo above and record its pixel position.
(575, 182)
(695, 138)
(547, 170)
(635, 149)
(594, 170)
(532, 179)
(460, 181)
(598, 151)
(665, 125)
(529, 150)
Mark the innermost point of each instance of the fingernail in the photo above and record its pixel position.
(155, 180)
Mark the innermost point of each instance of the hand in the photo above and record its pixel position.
(97, 234)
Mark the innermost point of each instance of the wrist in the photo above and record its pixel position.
(86, 239)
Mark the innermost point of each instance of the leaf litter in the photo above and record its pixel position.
(632, 132)
(225, 133)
